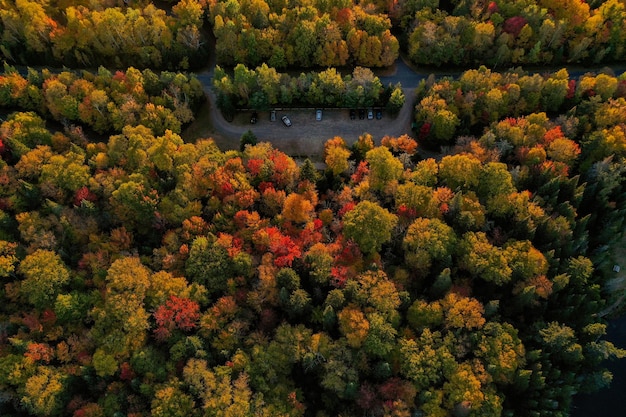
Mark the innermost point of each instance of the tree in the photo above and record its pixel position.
(8, 260)
(171, 401)
(381, 337)
(369, 225)
(484, 260)
(44, 275)
(462, 312)
(176, 313)
(501, 350)
(428, 240)
(494, 180)
(425, 360)
(24, 131)
(561, 341)
(135, 205)
(460, 171)
(297, 208)
(336, 154)
(247, 138)
(374, 291)
(211, 265)
(396, 100)
(353, 325)
(67, 171)
(121, 322)
(43, 392)
(384, 168)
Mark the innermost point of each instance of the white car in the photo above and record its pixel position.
(286, 121)
(370, 114)
(318, 114)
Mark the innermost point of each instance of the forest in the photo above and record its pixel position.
(461, 271)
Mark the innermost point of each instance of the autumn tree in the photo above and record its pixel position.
(428, 241)
(369, 225)
(385, 169)
(44, 276)
(127, 281)
(336, 154)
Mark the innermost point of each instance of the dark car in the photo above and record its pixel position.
(286, 121)
(379, 114)
(273, 116)
(361, 114)
(352, 114)
(254, 117)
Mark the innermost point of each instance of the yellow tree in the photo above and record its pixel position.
(385, 169)
(297, 208)
(121, 322)
(336, 154)
(44, 275)
(353, 325)
(428, 240)
(42, 392)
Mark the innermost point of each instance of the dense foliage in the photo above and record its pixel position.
(89, 34)
(145, 276)
(502, 32)
(264, 88)
(302, 33)
(448, 108)
(105, 101)
(148, 276)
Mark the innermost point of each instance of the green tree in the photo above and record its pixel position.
(396, 100)
(248, 138)
(210, 264)
(484, 260)
(369, 225)
(135, 205)
(24, 131)
(67, 171)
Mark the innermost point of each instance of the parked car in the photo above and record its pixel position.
(352, 114)
(318, 114)
(286, 121)
(370, 114)
(273, 116)
(379, 114)
(361, 114)
(254, 117)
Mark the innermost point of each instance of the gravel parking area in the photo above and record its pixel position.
(306, 136)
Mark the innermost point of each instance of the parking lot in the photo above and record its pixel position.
(306, 136)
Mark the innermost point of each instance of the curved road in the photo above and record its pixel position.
(306, 136)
